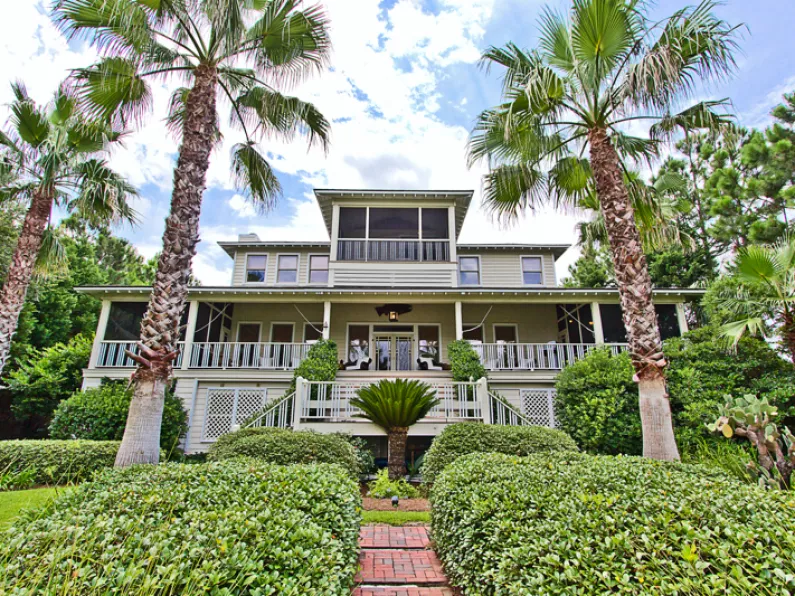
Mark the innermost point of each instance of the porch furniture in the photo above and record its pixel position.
(360, 364)
(428, 364)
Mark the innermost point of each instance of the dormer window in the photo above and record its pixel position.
(255, 268)
(531, 271)
(469, 271)
(287, 272)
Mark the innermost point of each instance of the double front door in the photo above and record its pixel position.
(394, 350)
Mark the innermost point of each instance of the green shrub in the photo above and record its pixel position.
(100, 414)
(470, 437)
(243, 527)
(597, 404)
(384, 488)
(57, 462)
(280, 446)
(581, 524)
(363, 453)
(320, 364)
(465, 363)
(17, 480)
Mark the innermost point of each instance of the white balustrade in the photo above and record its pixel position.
(262, 355)
(548, 356)
(113, 354)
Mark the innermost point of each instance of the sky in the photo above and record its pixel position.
(402, 93)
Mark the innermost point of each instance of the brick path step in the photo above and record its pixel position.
(401, 591)
(390, 537)
(420, 567)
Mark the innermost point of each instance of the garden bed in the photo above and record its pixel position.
(370, 504)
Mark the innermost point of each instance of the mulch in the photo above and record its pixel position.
(404, 505)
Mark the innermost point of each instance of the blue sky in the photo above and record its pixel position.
(402, 93)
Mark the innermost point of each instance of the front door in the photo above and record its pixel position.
(394, 351)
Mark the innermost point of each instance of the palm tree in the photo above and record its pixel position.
(395, 406)
(235, 50)
(763, 301)
(593, 73)
(53, 155)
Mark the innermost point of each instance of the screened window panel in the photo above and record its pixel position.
(124, 321)
(255, 268)
(352, 222)
(395, 223)
(435, 224)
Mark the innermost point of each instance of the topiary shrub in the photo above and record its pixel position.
(465, 363)
(320, 363)
(244, 527)
(281, 446)
(597, 404)
(100, 414)
(568, 523)
(472, 437)
(384, 488)
(57, 462)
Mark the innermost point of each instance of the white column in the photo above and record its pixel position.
(482, 391)
(298, 401)
(335, 225)
(190, 331)
(596, 317)
(681, 317)
(102, 325)
(459, 321)
(451, 233)
(326, 319)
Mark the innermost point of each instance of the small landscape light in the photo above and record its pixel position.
(395, 501)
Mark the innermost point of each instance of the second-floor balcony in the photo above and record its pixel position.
(537, 356)
(369, 250)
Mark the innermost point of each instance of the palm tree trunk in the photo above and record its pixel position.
(396, 439)
(15, 288)
(788, 333)
(160, 326)
(635, 292)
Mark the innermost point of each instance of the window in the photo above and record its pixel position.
(352, 222)
(469, 271)
(428, 336)
(358, 342)
(435, 224)
(255, 268)
(505, 333)
(394, 223)
(318, 269)
(124, 322)
(473, 335)
(313, 332)
(531, 271)
(248, 333)
(288, 269)
(282, 333)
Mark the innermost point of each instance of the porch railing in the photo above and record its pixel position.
(277, 414)
(549, 356)
(113, 354)
(393, 250)
(265, 356)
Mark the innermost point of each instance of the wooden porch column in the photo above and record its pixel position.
(681, 318)
(459, 321)
(190, 331)
(102, 325)
(453, 239)
(596, 317)
(335, 223)
(326, 319)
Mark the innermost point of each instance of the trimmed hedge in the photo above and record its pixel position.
(242, 527)
(57, 462)
(281, 446)
(469, 437)
(581, 524)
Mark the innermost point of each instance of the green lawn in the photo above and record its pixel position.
(395, 518)
(12, 502)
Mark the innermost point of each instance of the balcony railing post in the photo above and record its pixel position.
(482, 393)
(298, 401)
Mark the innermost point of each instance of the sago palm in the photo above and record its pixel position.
(395, 406)
(594, 72)
(234, 51)
(764, 303)
(53, 155)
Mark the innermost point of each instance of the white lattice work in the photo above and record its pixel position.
(229, 405)
(538, 405)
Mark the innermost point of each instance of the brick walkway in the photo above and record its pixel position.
(399, 562)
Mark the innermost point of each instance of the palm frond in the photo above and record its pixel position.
(102, 195)
(601, 35)
(555, 40)
(254, 176)
(113, 90)
(30, 123)
(701, 116)
(51, 258)
(116, 26)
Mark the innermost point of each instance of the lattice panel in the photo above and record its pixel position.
(538, 405)
(227, 404)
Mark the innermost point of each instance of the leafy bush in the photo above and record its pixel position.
(597, 404)
(100, 414)
(57, 462)
(280, 446)
(243, 527)
(469, 437)
(17, 480)
(465, 363)
(384, 488)
(579, 524)
(320, 363)
(363, 453)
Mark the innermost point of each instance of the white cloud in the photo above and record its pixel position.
(759, 116)
(241, 206)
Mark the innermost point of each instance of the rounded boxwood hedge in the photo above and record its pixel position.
(469, 437)
(281, 446)
(581, 524)
(244, 527)
(57, 462)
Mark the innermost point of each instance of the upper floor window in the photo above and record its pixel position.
(288, 269)
(531, 271)
(394, 223)
(469, 271)
(255, 268)
(435, 224)
(318, 269)
(353, 222)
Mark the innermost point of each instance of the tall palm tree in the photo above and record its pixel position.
(763, 302)
(232, 50)
(53, 155)
(395, 406)
(594, 72)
